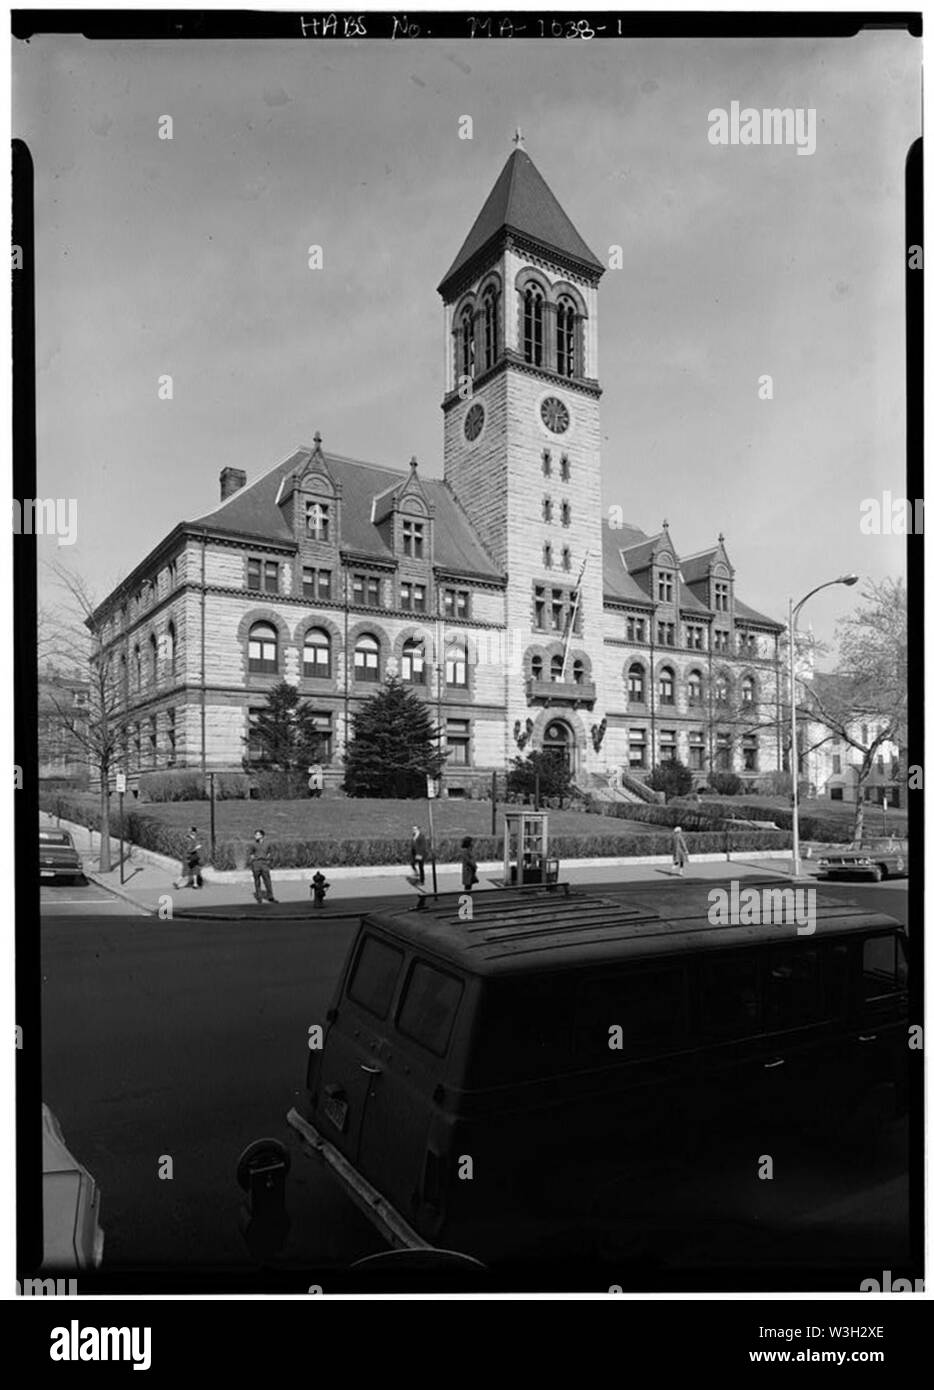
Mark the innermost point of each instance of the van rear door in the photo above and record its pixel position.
(406, 1090)
(355, 1043)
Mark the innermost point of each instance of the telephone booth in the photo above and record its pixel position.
(525, 849)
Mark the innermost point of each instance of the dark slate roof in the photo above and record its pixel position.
(253, 512)
(618, 583)
(522, 202)
(695, 567)
(638, 556)
(750, 615)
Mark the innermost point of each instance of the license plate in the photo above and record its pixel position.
(336, 1112)
(46, 873)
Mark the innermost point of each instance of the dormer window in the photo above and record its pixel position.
(721, 598)
(413, 539)
(665, 586)
(533, 325)
(317, 520)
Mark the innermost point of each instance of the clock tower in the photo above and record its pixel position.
(522, 443)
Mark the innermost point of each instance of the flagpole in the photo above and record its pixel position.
(572, 616)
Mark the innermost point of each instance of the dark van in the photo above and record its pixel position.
(471, 1068)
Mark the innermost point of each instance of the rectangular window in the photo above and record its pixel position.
(375, 973)
(724, 753)
(885, 967)
(667, 746)
(721, 597)
(322, 722)
(637, 748)
(696, 752)
(539, 607)
(665, 586)
(695, 638)
(730, 997)
(721, 640)
(836, 764)
(750, 753)
(153, 742)
(255, 746)
(429, 1006)
(254, 574)
(546, 462)
(456, 603)
(457, 735)
(170, 737)
(317, 520)
(792, 995)
(412, 597)
(271, 577)
(316, 584)
(666, 634)
(366, 591)
(413, 539)
(455, 666)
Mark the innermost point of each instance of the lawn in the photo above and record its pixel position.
(822, 809)
(342, 818)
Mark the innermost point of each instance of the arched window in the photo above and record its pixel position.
(567, 336)
(749, 690)
(556, 664)
(537, 667)
(578, 672)
(413, 662)
(722, 689)
(636, 684)
(138, 666)
(455, 664)
(316, 657)
(366, 658)
(468, 344)
(666, 686)
(170, 646)
(490, 326)
(263, 649)
(533, 320)
(695, 688)
(124, 683)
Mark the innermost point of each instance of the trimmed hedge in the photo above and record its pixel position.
(809, 827)
(150, 833)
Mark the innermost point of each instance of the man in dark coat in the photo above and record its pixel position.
(419, 852)
(259, 862)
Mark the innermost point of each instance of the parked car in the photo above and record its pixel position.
(58, 858)
(71, 1234)
(874, 859)
(472, 1068)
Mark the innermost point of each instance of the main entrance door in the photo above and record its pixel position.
(559, 743)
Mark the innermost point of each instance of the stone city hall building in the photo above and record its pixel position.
(502, 593)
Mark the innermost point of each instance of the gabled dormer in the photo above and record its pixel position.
(309, 500)
(709, 575)
(404, 517)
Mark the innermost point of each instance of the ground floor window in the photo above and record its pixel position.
(637, 748)
(667, 746)
(750, 753)
(696, 752)
(325, 732)
(836, 793)
(457, 736)
(170, 738)
(724, 753)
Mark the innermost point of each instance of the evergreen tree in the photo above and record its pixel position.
(554, 777)
(394, 745)
(672, 778)
(284, 737)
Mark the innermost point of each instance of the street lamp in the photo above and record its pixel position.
(793, 610)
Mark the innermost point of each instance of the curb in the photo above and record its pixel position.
(120, 892)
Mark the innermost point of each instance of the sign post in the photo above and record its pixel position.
(433, 783)
(121, 790)
(211, 775)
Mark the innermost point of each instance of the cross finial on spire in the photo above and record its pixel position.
(413, 463)
(317, 441)
(518, 139)
(665, 524)
(721, 538)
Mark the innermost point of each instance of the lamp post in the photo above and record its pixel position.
(793, 610)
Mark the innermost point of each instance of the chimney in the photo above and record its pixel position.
(232, 480)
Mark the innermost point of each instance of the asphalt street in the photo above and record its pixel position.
(173, 1044)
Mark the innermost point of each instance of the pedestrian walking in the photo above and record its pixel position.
(419, 852)
(468, 864)
(679, 850)
(259, 862)
(191, 861)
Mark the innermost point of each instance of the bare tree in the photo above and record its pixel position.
(101, 729)
(864, 702)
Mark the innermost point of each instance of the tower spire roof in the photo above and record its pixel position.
(522, 202)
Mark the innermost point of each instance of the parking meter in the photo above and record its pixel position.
(261, 1172)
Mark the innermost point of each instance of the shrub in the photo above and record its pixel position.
(726, 783)
(232, 786)
(176, 784)
(554, 778)
(269, 784)
(672, 778)
(775, 784)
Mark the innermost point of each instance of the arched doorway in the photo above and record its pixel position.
(558, 742)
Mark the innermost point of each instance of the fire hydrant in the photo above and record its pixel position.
(319, 886)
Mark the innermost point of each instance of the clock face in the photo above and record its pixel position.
(555, 415)
(473, 422)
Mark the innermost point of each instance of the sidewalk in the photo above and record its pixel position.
(150, 878)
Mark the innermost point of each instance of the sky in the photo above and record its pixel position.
(189, 257)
